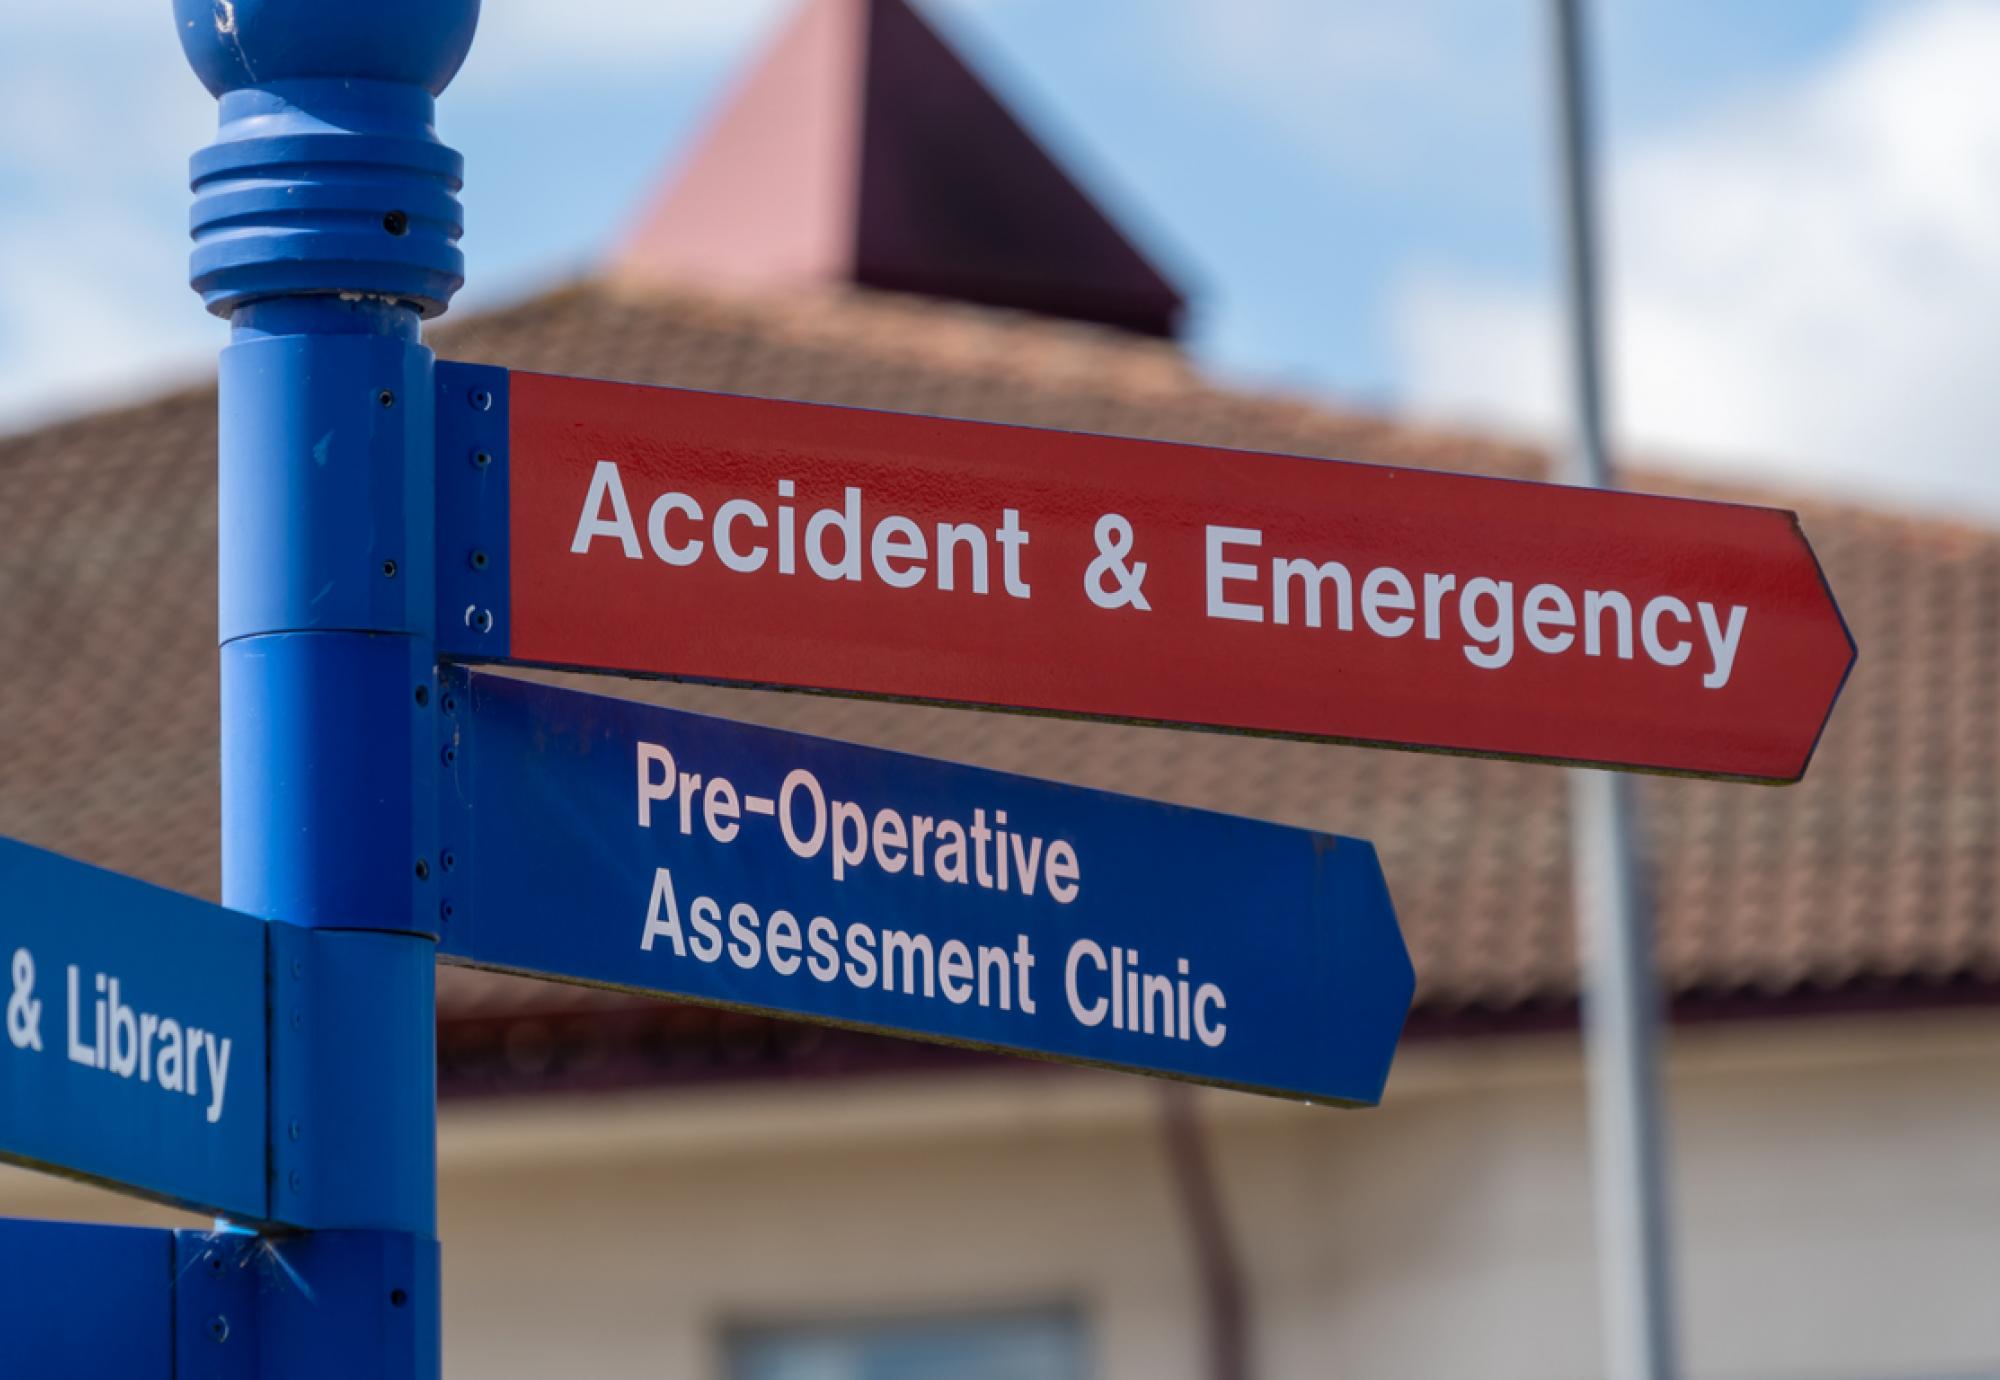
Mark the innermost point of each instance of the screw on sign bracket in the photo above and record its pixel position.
(473, 589)
(249, 1306)
(216, 1303)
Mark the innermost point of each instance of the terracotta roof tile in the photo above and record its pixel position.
(1881, 870)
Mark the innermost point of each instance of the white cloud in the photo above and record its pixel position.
(97, 313)
(94, 303)
(1486, 351)
(1363, 87)
(1808, 283)
(534, 36)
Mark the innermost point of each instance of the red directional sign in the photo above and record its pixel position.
(732, 539)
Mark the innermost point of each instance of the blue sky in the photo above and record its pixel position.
(1804, 275)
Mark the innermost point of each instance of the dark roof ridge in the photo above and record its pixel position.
(846, 314)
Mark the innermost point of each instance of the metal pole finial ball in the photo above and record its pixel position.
(232, 44)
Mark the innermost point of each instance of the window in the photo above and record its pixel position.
(1011, 1346)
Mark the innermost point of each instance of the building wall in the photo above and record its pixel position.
(1838, 1187)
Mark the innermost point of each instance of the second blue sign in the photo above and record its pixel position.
(631, 846)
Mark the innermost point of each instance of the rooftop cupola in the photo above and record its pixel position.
(861, 149)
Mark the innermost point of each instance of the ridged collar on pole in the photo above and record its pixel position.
(326, 177)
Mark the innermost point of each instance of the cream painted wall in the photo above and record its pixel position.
(1838, 1187)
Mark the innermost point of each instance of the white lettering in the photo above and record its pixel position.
(591, 524)
(1435, 588)
(1595, 604)
(951, 536)
(1012, 538)
(79, 1052)
(218, 1076)
(743, 562)
(845, 520)
(656, 529)
(1063, 872)
(799, 779)
(1667, 654)
(706, 917)
(1083, 949)
(1547, 606)
(663, 900)
(1221, 570)
(1310, 577)
(1721, 642)
(897, 539)
(653, 755)
(1207, 995)
(1387, 588)
(1492, 644)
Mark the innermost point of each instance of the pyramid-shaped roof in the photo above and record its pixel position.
(861, 149)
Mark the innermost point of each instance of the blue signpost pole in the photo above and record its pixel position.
(325, 224)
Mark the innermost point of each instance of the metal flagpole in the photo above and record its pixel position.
(1621, 993)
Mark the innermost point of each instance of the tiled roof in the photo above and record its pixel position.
(1878, 877)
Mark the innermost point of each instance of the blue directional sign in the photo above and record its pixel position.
(134, 1040)
(95, 1301)
(643, 848)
